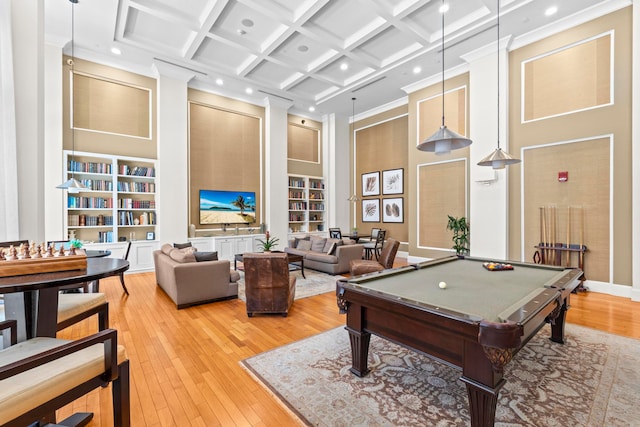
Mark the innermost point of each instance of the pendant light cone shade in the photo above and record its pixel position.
(498, 159)
(72, 185)
(443, 140)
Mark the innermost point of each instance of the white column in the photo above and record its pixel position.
(335, 131)
(9, 217)
(172, 198)
(635, 156)
(488, 190)
(276, 181)
(54, 198)
(27, 19)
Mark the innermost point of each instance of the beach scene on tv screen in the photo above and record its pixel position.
(227, 207)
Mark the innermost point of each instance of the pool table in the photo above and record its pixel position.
(477, 322)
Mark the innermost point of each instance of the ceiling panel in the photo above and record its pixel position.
(295, 48)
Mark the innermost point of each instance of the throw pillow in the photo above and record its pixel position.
(166, 249)
(182, 245)
(304, 245)
(234, 276)
(332, 247)
(206, 256)
(182, 257)
(327, 245)
(317, 244)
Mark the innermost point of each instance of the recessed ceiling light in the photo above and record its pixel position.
(115, 51)
(344, 66)
(303, 48)
(444, 8)
(249, 91)
(417, 70)
(551, 11)
(219, 82)
(247, 22)
(312, 109)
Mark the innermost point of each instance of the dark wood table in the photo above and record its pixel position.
(97, 253)
(293, 258)
(32, 299)
(477, 322)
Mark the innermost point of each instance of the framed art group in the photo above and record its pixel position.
(392, 208)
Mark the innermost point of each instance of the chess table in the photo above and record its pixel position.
(32, 299)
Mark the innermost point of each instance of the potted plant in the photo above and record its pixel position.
(460, 228)
(269, 243)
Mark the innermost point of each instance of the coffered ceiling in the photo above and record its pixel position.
(310, 53)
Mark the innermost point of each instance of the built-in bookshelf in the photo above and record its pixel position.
(119, 203)
(306, 204)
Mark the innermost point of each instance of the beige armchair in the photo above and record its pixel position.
(384, 261)
(268, 285)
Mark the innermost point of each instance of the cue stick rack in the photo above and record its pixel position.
(553, 249)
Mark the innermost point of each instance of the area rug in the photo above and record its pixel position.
(315, 283)
(592, 380)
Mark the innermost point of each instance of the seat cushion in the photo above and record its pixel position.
(70, 305)
(39, 385)
(361, 266)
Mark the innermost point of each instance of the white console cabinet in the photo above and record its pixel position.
(140, 255)
(228, 246)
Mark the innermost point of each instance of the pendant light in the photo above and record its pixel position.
(498, 159)
(72, 185)
(444, 140)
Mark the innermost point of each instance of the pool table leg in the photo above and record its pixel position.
(557, 321)
(483, 401)
(359, 351)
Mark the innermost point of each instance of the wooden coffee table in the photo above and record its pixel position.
(296, 262)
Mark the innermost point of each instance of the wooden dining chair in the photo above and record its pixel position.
(40, 375)
(335, 233)
(372, 249)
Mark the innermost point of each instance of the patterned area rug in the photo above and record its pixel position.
(315, 283)
(593, 380)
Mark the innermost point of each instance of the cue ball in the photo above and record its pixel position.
(442, 285)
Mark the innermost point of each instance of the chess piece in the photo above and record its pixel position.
(2, 255)
(26, 252)
(72, 250)
(49, 253)
(13, 253)
(61, 251)
(37, 253)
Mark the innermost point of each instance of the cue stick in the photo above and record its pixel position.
(552, 239)
(568, 236)
(581, 253)
(541, 248)
(544, 232)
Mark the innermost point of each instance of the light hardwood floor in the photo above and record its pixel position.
(185, 368)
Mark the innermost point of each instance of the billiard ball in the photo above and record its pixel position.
(442, 285)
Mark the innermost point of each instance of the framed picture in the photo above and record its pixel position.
(371, 184)
(393, 210)
(393, 181)
(151, 235)
(371, 210)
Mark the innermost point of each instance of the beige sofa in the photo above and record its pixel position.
(320, 254)
(188, 282)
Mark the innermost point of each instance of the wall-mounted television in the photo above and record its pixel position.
(227, 207)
